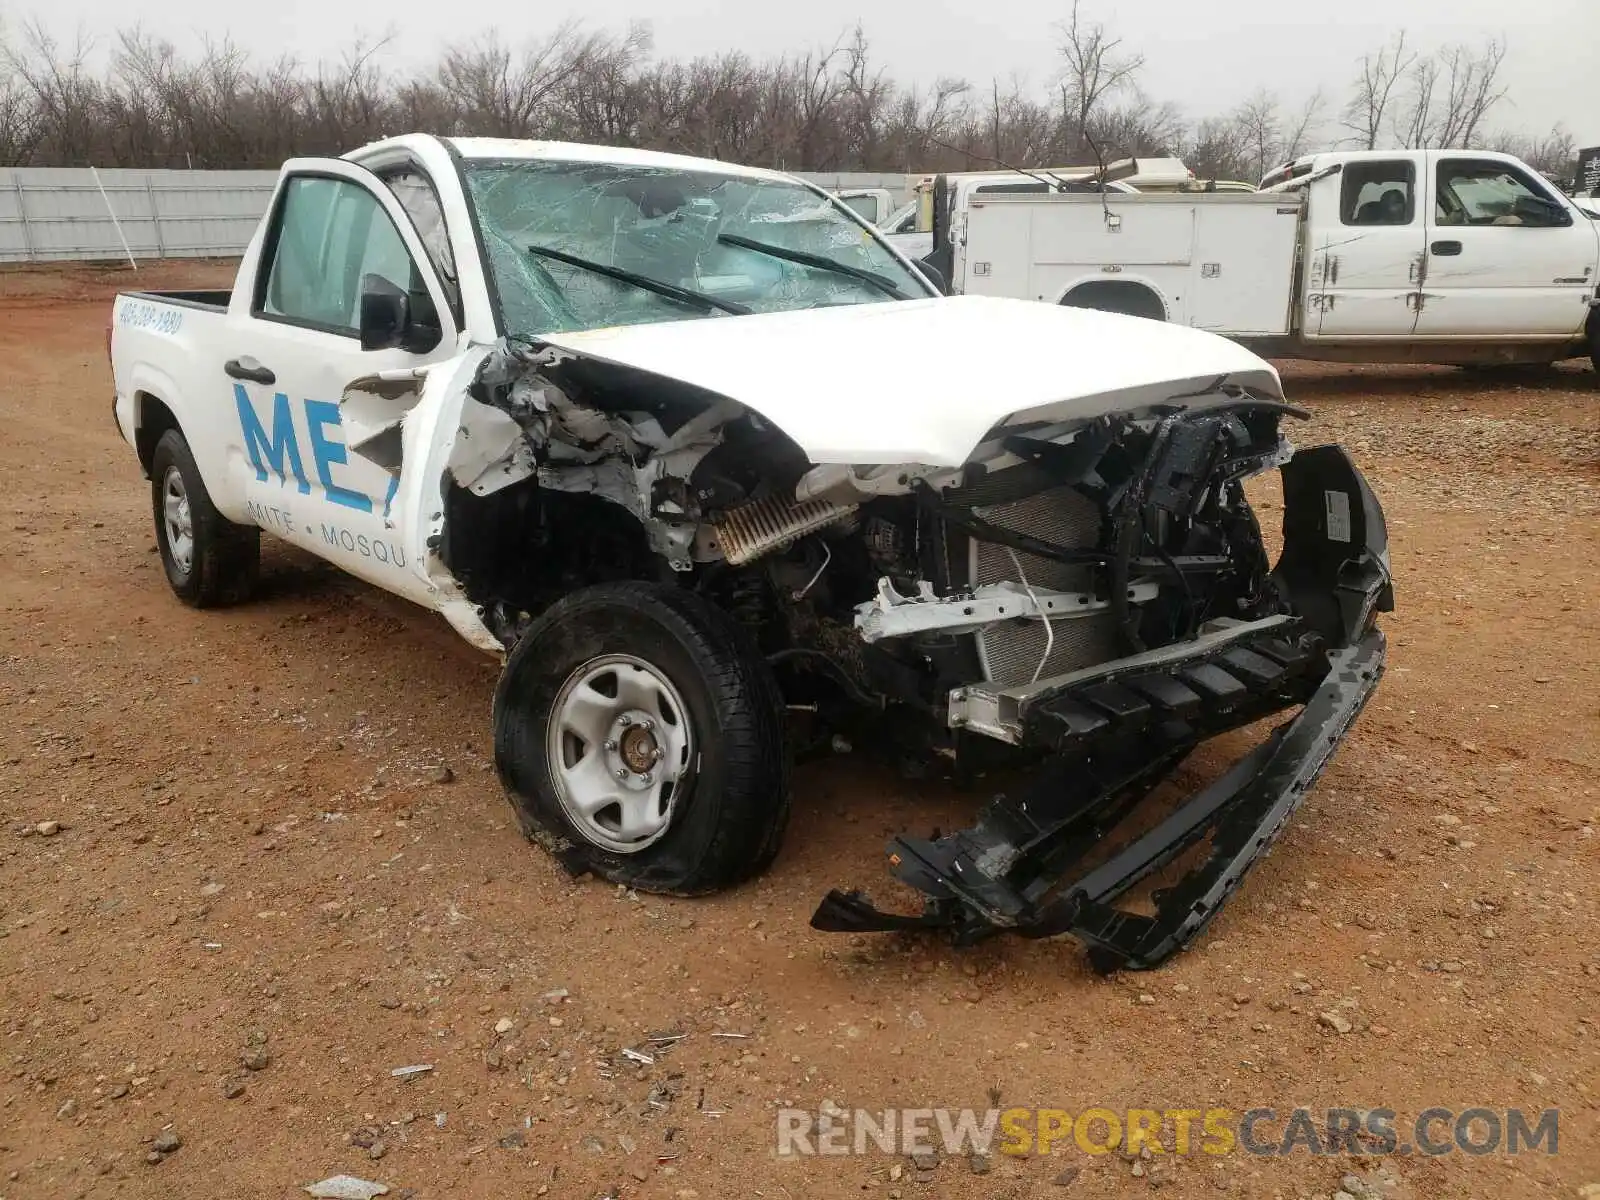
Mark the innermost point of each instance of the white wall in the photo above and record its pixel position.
(65, 213)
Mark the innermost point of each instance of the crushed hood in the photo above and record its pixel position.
(922, 381)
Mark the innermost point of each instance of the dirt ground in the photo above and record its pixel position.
(258, 860)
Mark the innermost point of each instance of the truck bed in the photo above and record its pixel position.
(216, 300)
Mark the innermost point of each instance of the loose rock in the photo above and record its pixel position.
(1333, 1021)
(47, 828)
(1067, 1177)
(167, 1141)
(232, 1087)
(256, 1059)
(346, 1187)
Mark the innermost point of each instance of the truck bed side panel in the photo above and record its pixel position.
(172, 353)
(1244, 267)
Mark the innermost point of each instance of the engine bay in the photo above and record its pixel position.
(1058, 546)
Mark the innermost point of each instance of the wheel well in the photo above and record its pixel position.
(1118, 296)
(516, 551)
(151, 418)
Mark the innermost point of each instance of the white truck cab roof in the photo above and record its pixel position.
(1291, 173)
(426, 147)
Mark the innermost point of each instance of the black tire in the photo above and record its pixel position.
(224, 559)
(1594, 338)
(726, 823)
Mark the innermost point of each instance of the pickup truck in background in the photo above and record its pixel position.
(718, 472)
(1440, 256)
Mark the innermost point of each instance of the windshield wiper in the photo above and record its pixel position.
(819, 261)
(660, 287)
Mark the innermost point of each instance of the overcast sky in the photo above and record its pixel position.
(1204, 54)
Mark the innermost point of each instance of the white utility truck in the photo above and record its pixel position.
(909, 228)
(1440, 256)
(716, 469)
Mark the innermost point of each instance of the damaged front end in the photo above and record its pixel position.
(1088, 593)
(1302, 635)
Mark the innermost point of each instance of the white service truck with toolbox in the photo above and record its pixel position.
(718, 472)
(1440, 256)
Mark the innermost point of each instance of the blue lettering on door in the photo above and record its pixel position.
(280, 449)
(320, 413)
(281, 445)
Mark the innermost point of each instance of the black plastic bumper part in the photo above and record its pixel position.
(1118, 735)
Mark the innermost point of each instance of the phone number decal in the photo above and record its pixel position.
(158, 317)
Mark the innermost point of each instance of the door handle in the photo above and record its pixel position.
(248, 368)
(1445, 249)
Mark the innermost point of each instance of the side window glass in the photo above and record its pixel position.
(416, 195)
(1378, 193)
(331, 234)
(1488, 193)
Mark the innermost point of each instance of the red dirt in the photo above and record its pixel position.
(252, 844)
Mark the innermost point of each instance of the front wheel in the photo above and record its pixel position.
(209, 560)
(639, 734)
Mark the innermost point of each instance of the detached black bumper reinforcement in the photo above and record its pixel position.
(1006, 872)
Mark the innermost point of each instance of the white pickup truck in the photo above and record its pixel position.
(712, 465)
(1441, 256)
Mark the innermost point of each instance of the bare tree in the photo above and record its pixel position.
(1368, 107)
(1554, 153)
(1095, 68)
(1217, 149)
(1260, 127)
(66, 99)
(1305, 128)
(149, 103)
(1473, 88)
(1447, 96)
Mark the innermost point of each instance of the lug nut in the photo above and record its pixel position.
(656, 755)
(622, 773)
(647, 725)
(647, 779)
(611, 745)
(624, 721)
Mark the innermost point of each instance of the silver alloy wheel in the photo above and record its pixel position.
(180, 525)
(620, 751)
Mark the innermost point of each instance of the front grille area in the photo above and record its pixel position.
(1010, 653)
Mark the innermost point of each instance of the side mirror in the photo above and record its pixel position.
(935, 275)
(387, 322)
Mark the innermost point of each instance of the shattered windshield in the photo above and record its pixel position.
(575, 245)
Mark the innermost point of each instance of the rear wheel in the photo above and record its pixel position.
(209, 560)
(639, 734)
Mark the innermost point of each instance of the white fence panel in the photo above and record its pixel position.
(62, 214)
